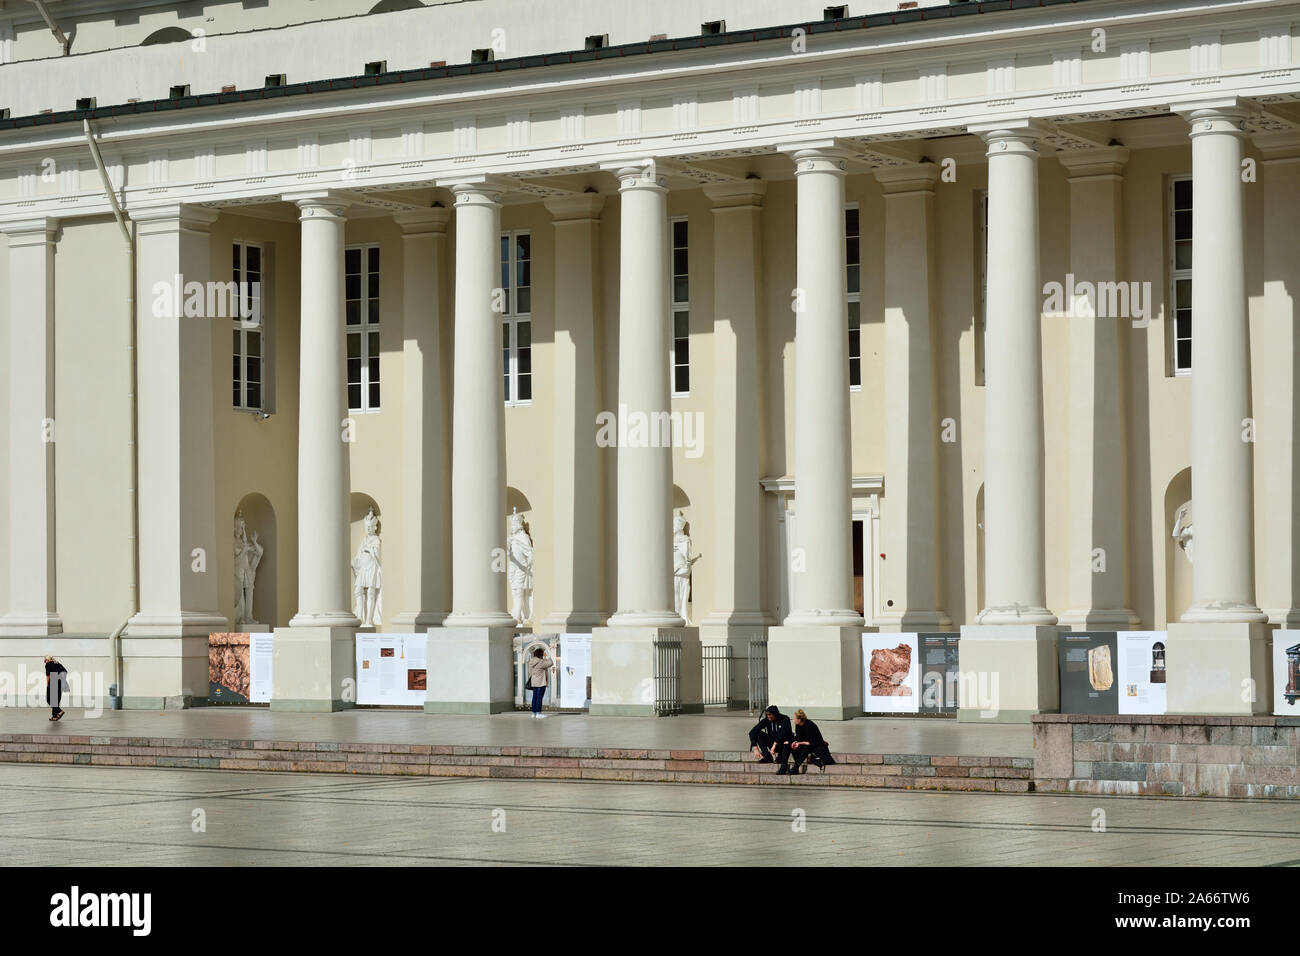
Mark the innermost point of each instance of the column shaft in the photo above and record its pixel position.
(324, 483)
(478, 458)
(1015, 572)
(823, 590)
(32, 570)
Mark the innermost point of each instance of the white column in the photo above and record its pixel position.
(478, 458)
(579, 549)
(645, 465)
(1275, 392)
(1014, 564)
(1223, 571)
(324, 483)
(178, 542)
(1098, 473)
(32, 605)
(425, 484)
(822, 592)
(910, 572)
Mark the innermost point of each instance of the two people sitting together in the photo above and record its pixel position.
(774, 739)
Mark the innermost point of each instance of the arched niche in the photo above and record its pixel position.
(1178, 568)
(167, 35)
(259, 516)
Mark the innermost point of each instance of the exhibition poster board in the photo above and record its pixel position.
(939, 672)
(228, 668)
(1286, 673)
(261, 658)
(1087, 662)
(575, 671)
(1141, 677)
(392, 669)
(891, 668)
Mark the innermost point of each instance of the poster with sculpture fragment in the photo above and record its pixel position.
(890, 673)
(1088, 661)
(1286, 673)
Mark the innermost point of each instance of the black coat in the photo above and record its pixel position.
(56, 681)
(817, 750)
(766, 732)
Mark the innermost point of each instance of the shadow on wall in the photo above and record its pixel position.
(259, 518)
(1178, 565)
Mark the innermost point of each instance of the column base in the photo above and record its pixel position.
(918, 621)
(416, 622)
(1100, 619)
(623, 670)
(735, 631)
(1223, 612)
(314, 669)
(575, 622)
(28, 624)
(164, 671)
(325, 619)
(1010, 671)
(817, 668)
(1015, 615)
(471, 670)
(1209, 667)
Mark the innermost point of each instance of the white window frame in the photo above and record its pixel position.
(256, 324)
(364, 329)
(853, 298)
(678, 306)
(1177, 275)
(512, 319)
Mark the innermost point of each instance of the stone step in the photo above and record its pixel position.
(908, 771)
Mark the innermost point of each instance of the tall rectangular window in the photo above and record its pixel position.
(681, 309)
(361, 296)
(517, 324)
(1180, 274)
(853, 280)
(248, 369)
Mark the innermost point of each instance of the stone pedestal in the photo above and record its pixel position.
(816, 667)
(623, 670)
(164, 671)
(470, 670)
(1210, 666)
(313, 669)
(1008, 672)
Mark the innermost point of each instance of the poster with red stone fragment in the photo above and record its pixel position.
(890, 669)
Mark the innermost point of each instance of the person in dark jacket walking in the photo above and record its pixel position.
(56, 680)
(809, 745)
(770, 738)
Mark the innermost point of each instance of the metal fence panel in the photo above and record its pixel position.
(668, 677)
(757, 676)
(717, 663)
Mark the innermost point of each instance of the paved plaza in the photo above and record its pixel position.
(101, 816)
(717, 731)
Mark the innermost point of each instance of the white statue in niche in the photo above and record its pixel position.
(1183, 529)
(368, 587)
(682, 562)
(520, 573)
(248, 555)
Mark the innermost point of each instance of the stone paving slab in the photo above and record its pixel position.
(220, 726)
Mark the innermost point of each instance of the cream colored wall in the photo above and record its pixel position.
(254, 456)
(4, 423)
(91, 409)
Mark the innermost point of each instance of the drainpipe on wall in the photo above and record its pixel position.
(49, 22)
(115, 639)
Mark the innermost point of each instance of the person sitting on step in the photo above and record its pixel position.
(770, 738)
(809, 745)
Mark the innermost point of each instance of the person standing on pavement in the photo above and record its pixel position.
(56, 680)
(538, 666)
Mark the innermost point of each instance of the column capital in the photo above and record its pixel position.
(739, 194)
(317, 204)
(909, 178)
(1095, 163)
(1010, 135)
(647, 173)
(477, 189)
(30, 232)
(423, 222)
(580, 207)
(822, 156)
(1224, 115)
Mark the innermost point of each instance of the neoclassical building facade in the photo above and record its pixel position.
(921, 318)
